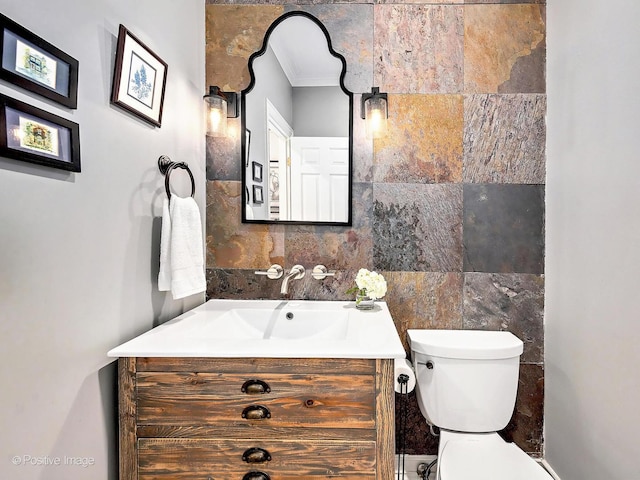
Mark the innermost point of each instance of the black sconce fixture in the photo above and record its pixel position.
(220, 106)
(374, 110)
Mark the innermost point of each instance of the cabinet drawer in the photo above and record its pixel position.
(323, 401)
(186, 459)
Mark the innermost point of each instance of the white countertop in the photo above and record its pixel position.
(226, 328)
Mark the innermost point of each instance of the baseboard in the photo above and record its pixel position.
(548, 468)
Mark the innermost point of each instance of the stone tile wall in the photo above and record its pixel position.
(449, 206)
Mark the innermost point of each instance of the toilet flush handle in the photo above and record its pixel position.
(429, 364)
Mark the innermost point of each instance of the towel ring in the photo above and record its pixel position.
(166, 166)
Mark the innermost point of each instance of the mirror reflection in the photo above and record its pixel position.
(297, 128)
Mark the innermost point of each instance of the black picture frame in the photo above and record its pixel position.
(256, 169)
(33, 135)
(139, 79)
(247, 134)
(258, 194)
(30, 62)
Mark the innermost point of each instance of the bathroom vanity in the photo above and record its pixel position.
(311, 401)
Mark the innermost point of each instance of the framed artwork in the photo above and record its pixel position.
(32, 63)
(257, 194)
(139, 78)
(33, 135)
(247, 134)
(257, 171)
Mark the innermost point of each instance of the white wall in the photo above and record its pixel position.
(271, 84)
(79, 252)
(592, 321)
(320, 112)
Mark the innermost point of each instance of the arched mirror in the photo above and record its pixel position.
(297, 128)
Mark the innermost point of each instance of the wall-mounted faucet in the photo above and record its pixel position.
(296, 273)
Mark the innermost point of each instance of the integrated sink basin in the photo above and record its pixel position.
(297, 320)
(271, 328)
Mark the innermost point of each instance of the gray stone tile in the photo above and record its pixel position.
(504, 138)
(236, 283)
(504, 228)
(417, 227)
(512, 302)
(526, 425)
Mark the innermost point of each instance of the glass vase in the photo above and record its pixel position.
(363, 302)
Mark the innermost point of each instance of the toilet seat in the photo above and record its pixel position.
(468, 459)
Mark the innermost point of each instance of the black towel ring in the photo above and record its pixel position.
(166, 166)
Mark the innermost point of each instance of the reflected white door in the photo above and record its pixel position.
(320, 179)
(278, 154)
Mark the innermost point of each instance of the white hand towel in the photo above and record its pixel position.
(164, 276)
(181, 248)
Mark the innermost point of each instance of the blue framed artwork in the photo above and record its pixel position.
(32, 63)
(139, 78)
(33, 135)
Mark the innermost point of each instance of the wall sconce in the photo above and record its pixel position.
(220, 106)
(375, 111)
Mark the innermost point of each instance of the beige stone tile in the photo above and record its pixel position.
(504, 48)
(349, 25)
(418, 48)
(232, 34)
(424, 300)
(233, 244)
(424, 141)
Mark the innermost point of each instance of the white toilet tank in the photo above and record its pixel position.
(466, 380)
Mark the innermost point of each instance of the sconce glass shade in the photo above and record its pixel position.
(374, 110)
(216, 112)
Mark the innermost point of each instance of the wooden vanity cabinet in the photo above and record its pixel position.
(256, 418)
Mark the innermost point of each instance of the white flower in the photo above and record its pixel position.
(373, 284)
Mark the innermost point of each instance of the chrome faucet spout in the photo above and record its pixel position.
(296, 273)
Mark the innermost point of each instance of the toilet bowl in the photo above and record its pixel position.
(466, 384)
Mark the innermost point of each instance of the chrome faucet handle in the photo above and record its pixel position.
(274, 272)
(320, 272)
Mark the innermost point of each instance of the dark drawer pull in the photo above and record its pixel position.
(256, 476)
(256, 412)
(255, 387)
(256, 455)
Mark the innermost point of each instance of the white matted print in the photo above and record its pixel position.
(38, 136)
(35, 64)
(139, 78)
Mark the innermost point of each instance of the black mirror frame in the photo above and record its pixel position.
(243, 103)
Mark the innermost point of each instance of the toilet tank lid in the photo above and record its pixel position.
(465, 344)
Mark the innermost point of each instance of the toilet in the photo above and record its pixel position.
(466, 385)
